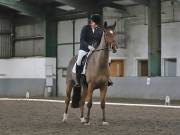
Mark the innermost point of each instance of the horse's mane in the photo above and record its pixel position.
(102, 41)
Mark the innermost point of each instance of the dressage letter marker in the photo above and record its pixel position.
(148, 81)
(167, 100)
(27, 95)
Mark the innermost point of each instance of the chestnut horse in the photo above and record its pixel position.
(97, 75)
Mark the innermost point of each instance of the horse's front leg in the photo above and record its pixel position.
(82, 102)
(89, 99)
(103, 91)
(67, 100)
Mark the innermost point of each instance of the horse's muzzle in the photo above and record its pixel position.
(114, 50)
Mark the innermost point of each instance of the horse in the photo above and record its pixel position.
(96, 76)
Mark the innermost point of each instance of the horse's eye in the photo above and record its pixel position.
(111, 31)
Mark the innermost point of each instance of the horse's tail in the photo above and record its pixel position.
(76, 97)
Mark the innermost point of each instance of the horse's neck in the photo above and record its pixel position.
(102, 55)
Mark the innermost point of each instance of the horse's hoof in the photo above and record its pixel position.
(65, 116)
(87, 124)
(83, 120)
(105, 123)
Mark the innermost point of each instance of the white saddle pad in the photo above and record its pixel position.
(84, 68)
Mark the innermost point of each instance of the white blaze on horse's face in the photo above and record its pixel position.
(111, 36)
(111, 31)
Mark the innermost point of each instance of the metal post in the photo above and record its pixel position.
(56, 61)
(13, 38)
(73, 37)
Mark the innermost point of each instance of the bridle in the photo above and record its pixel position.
(106, 42)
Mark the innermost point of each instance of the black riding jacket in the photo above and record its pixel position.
(89, 38)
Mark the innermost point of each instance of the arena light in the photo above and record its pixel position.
(125, 2)
(66, 7)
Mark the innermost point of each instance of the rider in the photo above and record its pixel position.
(89, 39)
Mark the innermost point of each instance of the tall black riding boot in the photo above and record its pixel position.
(78, 75)
(110, 83)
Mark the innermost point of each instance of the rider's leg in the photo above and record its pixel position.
(81, 54)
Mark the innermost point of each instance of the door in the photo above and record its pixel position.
(117, 68)
(170, 67)
(142, 67)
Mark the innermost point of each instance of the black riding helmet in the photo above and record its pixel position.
(95, 18)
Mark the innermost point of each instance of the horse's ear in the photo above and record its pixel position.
(105, 24)
(114, 24)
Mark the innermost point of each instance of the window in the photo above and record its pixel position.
(170, 67)
(121, 34)
(142, 67)
(121, 39)
(117, 68)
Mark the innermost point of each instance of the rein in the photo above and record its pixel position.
(102, 49)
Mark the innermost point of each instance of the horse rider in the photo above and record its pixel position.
(90, 37)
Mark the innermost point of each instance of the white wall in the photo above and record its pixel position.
(19, 75)
(171, 42)
(137, 47)
(51, 65)
(136, 38)
(26, 67)
(137, 35)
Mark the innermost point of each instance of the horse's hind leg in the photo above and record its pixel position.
(103, 92)
(68, 98)
(83, 97)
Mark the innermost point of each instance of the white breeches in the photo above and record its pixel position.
(81, 54)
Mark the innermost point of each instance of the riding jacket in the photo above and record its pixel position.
(90, 37)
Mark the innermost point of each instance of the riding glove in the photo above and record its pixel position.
(91, 48)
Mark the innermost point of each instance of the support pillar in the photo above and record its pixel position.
(51, 38)
(154, 38)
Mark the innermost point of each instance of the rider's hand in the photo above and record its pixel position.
(91, 48)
